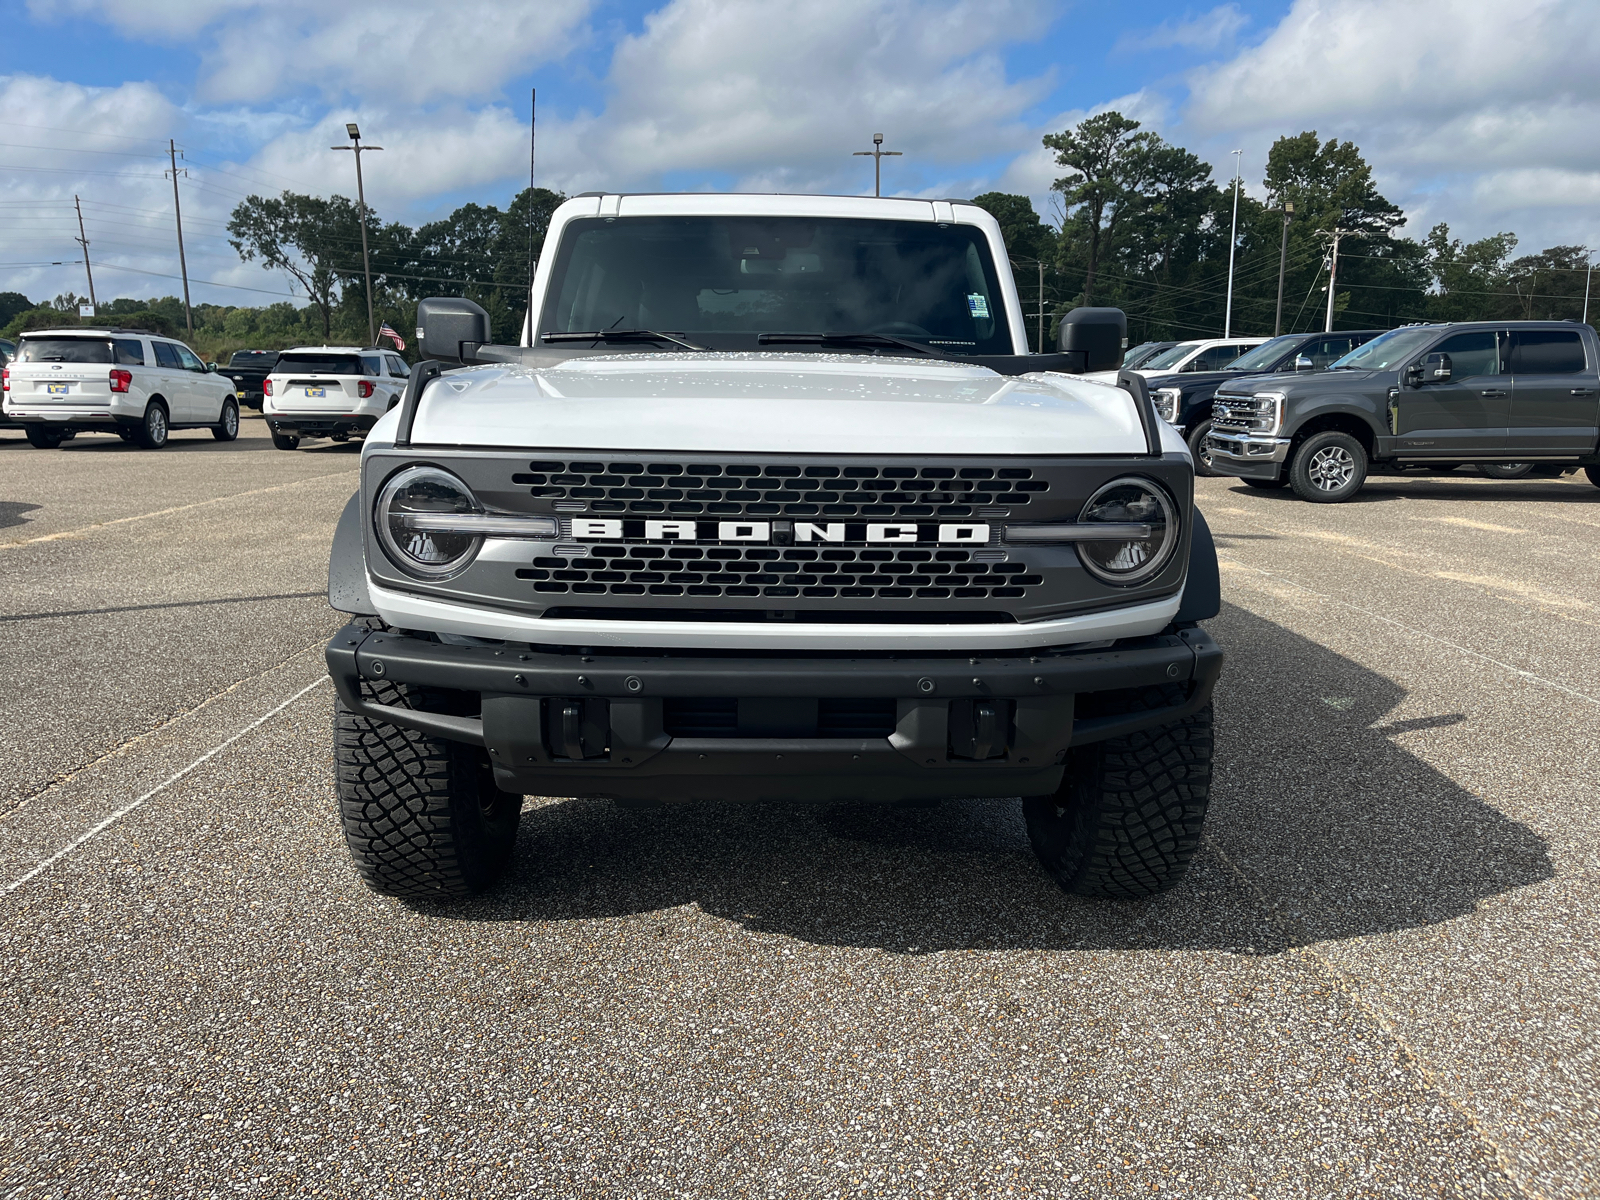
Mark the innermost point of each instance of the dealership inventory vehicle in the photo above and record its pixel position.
(1138, 355)
(330, 391)
(249, 370)
(131, 382)
(772, 503)
(1184, 400)
(1207, 354)
(1495, 393)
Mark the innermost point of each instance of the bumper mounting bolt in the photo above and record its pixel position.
(1038, 681)
(924, 686)
(521, 680)
(377, 667)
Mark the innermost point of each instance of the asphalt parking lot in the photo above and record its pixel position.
(1381, 978)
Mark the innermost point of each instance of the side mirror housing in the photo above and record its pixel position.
(1097, 334)
(1303, 362)
(451, 328)
(1436, 368)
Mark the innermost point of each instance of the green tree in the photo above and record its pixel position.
(1026, 236)
(311, 238)
(1104, 154)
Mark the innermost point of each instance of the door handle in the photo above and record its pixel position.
(1583, 391)
(1492, 392)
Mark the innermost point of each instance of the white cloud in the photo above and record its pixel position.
(403, 50)
(1207, 32)
(1468, 113)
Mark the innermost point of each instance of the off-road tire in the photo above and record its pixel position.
(1127, 817)
(1197, 450)
(1506, 470)
(1268, 485)
(227, 429)
(1325, 457)
(1594, 475)
(284, 441)
(45, 439)
(155, 428)
(421, 815)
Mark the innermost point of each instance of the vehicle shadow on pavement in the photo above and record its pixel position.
(1381, 489)
(14, 512)
(1321, 827)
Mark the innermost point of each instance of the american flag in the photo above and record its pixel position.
(387, 331)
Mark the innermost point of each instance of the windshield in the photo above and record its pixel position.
(1139, 355)
(1264, 355)
(1387, 350)
(725, 280)
(66, 350)
(1170, 358)
(323, 364)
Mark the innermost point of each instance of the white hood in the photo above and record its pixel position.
(777, 404)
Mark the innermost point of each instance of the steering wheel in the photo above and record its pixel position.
(900, 329)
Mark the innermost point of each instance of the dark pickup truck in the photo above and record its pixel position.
(1184, 399)
(1485, 392)
(249, 369)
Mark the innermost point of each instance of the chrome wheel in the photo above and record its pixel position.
(230, 420)
(1331, 468)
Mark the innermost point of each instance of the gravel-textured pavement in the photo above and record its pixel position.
(1380, 979)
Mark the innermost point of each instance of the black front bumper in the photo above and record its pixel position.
(318, 425)
(623, 705)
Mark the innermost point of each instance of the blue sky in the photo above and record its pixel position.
(1466, 117)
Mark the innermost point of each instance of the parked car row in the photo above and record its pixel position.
(1315, 412)
(141, 386)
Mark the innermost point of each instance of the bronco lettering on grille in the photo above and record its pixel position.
(783, 533)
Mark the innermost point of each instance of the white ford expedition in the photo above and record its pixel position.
(330, 391)
(772, 504)
(130, 382)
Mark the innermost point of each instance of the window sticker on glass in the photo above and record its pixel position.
(979, 304)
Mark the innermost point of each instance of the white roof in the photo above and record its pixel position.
(328, 350)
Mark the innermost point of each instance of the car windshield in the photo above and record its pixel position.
(726, 280)
(1139, 355)
(1265, 355)
(1170, 358)
(1387, 350)
(322, 364)
(66, 350)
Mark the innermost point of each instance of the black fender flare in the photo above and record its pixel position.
(1202, 589)
(347, 564)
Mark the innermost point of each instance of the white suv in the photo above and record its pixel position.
(1211, 354)
(330, 391)
(130, 382)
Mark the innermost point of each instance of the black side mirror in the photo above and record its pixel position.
(1303, 362)
(1412, 377)
(1098, 334)
(1436, 368)
(451, 328)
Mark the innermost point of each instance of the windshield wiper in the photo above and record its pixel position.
(847, 339)
(624, 335)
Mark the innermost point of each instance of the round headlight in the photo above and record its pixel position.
(426, 553)
(1124, 502)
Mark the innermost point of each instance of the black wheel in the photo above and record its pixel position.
(153, 431)
(1267, 484)
(227, 429)
(284, 441)
(1506, 470)
(422, 816)
(1594, 475)
(1127, 818)
(1200, 451)
(1328, 467)
(45, 439)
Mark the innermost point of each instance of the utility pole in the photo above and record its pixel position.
(1233, 241)
(1333, 271)
(177, 209)
(1041, 304)
(1586, 279)
(361, 200)
(877, 154)
(83, 240)
(533, 262)
(1283, 258)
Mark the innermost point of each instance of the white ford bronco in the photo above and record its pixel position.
(771, 503)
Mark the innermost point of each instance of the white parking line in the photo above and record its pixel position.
(160, 787)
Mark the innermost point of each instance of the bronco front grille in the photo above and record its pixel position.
(779, 572)
(779, 490)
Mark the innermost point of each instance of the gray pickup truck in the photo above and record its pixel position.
(1499, 394)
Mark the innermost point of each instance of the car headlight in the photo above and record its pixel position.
(415, 543)
(1130, 501)
(1167, 401)
(1269, 413)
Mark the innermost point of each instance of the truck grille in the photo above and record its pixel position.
(748, 489)
(845, 572)
(1240, 414)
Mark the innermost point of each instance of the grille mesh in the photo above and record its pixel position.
(846, 572)
(1233, 414)
(747, 489)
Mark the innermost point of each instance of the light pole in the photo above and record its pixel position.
(361, 199)
(1233, 241)
(1283, 258)
(877, 154)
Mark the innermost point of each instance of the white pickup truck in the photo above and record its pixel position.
(771, 503)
